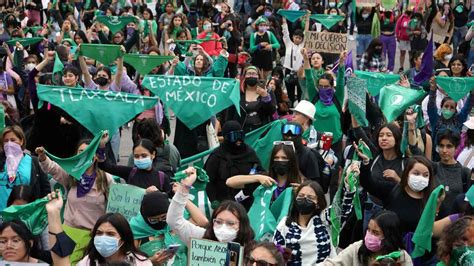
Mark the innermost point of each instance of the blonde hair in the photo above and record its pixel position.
(443, 50)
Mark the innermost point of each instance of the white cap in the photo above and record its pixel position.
(306, 108)
(470, 122)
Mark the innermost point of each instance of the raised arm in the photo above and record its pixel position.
(84, 68)
(340, 80)
(119, 74)
(239, 181)
(52, 168)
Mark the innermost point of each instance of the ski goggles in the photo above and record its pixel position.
(235, 136)
(292, 129)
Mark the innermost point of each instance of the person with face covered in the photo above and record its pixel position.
(233, 157)
(262, 43)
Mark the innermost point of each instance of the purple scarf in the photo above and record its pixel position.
(326, 95)
(85, 184)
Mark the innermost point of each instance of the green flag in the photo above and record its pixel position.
(291, 15)
(261, 140)
(375, 30)
(462, 256)
(356, 92)
(424, 230)
(78, 164)
(145, 63)
(96, 110)
(2, 118)
(33, 30)
(395, 99)
(456, 88)
(375, 80)
(195, 99)
(33, 214)
(327, 20)
(115, 23)
(24, 41)
(58, 68)
(104, 53)
(146, 28)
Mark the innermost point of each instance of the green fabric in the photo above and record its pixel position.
(25, 41)
(470, 196)
(144, 64)
(96, 110)
(104, 53)
(395, 99)
(195, 99)
(2, 118)
(261, 140)
(419, 124)
(33, 30)
(375, 30)
(424, 230)
(146, 28)
(78, 164)
(33, 214)
(353, 179)
(394, 255)
(291, 15)
(312, 78)
(70, 41)
(327, 20)
(328, 119)
(356, 92)
(273, 41)
(462, 256)
(58, 68)
(265, 216)
(115, 23)
(456, 88)
(375, 81)
(388, 4)
(82, 238)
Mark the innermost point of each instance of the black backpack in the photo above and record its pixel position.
(162, 160)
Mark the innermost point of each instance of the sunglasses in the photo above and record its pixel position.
(295, 130)
(249, 261)
(235, 136)
(284, 142)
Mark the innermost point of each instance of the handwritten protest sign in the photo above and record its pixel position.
(365, 3)
(325, 42)
(125, 199)
(195, 99)
(212, 253)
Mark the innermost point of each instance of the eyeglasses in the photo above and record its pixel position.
(14, 243)
(235, 136)
(284, 142)
(291, 129)
(249, 261)
(220, 222)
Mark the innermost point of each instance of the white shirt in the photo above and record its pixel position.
(292, 48)
(464, 156)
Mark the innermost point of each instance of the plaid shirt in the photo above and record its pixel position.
(377, 64)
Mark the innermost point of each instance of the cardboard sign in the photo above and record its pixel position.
(125, 199)
(325, 42)
(365, 3)
(212, 253)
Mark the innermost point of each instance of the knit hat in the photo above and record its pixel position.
(154, 203)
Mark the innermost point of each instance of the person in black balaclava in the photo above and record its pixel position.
(154, 208)
(233, 157)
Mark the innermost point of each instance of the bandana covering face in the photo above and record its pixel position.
(326, 95)
(85, 184)
(14, 154)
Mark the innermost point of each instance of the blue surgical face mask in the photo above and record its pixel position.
(106, 245)
(144, 163)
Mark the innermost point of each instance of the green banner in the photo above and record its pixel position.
(456, 88)
(125, 199)
(115, 23)
(78, 164)
(33, 214)
(96, 110)
(104, 53)
(375, 81)
(356, 94)
(195, 99)
(144, 64)
(327, 20)
(57, 68)
(291, 15)
(24, 41)
(395, 99)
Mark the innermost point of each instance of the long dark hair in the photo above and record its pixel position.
(469, 138)
(245, 235)
(410, 164)
(20, 228)
(81, 35)
(461, 59)
(392, 236)
(293, 217)
(397, 134)
(22, 192)
(294, 173)
(371, 49)
(126, 235)
(148, 129)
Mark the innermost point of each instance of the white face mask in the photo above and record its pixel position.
(225, 233)
(332, 4)
(30, 66)
(417, 182)
(365, 15)
(448, 57)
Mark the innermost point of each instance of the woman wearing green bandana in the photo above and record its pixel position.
(456, 245)
(172, 31)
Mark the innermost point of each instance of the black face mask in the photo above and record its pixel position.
(305, 206)
(281, 167)
(251, 81)
(101, 81)
(378, 51)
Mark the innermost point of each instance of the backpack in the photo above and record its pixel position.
(161, 176)
(162, 161)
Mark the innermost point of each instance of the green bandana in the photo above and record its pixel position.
(447, 114)
(195, 99)
(115, 23)
(78, 164)
(356, 92)
(459, 8)
(96, 110)
(424, 230)
(389, 4)
(462, 256)
(104, 53)
(58, 68)
(456, 88)
(2, 118)
(327, 20)
(419, 124)
(375, 81)
(25, 41)
(33, 214)
(291, 15)
(394, 256)
(395, 99)
(33, 30)
(70, 41)
(145, 63)
(146, 28)
(470, 196)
